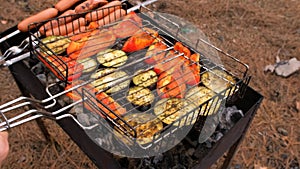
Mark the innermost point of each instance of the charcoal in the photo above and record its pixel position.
(158, 158)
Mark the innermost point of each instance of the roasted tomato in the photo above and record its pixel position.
(191, 70)
(111, 104)
(155, 53)
(140, 40)
(128, 26)
(171, 85)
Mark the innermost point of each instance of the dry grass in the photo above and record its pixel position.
(254, 31)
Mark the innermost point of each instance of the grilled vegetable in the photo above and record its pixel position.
(57, 44)
(199, 95)
(102, 72)
(171, 63)
(140, 96)
(145, 125)
(145, 78)
(108, 81)
(182, 49)
(104, 99)
(155, 52)
(172, 109)
(170, 85)
(140, 40)
(112, 58)
(62, 67)
(76, 94)
(89, 64)
(191, 70)
(129, 25)
(217, 80)
(97, 40)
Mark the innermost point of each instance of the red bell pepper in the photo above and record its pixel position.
(140, 40)
(155, 53)
(111, 104)
(76, 93)
(191, 70)
(170, 63)
(171, 85)
(182, 49)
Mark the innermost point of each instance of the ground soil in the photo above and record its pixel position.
(256, 32)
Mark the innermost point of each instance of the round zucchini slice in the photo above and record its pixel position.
(112, 58)
(108, 80)
(145, 78)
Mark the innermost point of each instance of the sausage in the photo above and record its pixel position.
(81, 29)
(89, 5)
(67, 28)
(117, 14)
(63, 5)
(65, 18)
(103, 11)
(41, 16)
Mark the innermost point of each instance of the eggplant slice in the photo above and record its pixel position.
(56, 44)
(140, 96)
(145, 78)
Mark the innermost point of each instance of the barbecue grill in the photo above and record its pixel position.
(45, 101)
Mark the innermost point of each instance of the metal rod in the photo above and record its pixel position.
(10, 35)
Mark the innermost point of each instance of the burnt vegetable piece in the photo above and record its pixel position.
(145, 78)
(56, 44)
(112, 58)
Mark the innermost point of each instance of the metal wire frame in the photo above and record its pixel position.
(156, 139)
